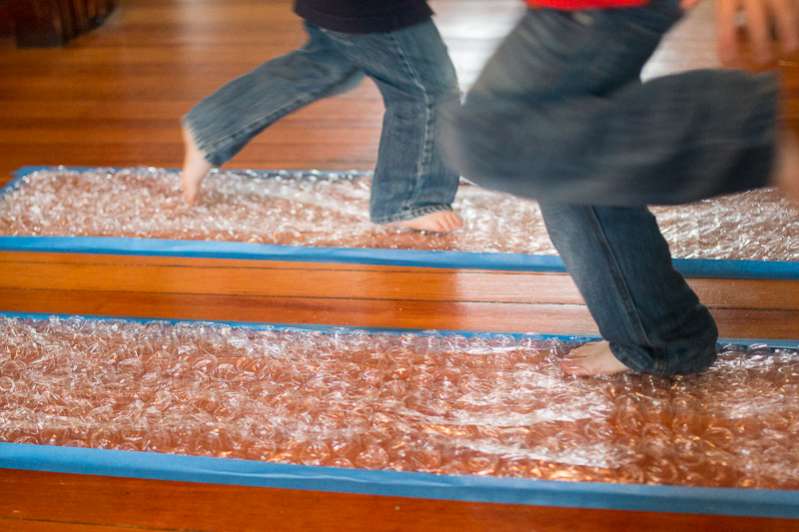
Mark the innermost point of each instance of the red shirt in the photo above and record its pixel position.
(574, 5)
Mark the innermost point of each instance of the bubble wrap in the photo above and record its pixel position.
(310, 208)
(490, 405)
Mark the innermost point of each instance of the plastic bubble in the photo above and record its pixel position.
(489, 405)
(330, 209)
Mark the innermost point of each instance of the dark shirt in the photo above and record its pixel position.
(363, 16)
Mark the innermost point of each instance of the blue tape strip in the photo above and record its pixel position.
(14, 181)
(762, 503)
(27, 170)
(248, 251)
(732, 269)
(131, 464)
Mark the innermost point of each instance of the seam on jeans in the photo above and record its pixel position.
(186, 123)
(632, 362)
(269, 118)
(424, 160)
(618, 277)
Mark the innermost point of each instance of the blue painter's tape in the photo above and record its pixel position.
(28, 170)
(242, 250)
(733, 269)
(155, 466)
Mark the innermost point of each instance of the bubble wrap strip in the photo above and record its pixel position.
(320, 216)
(487, 404)
(589, 495)
(792, 345)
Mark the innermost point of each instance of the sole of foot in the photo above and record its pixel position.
(592, 360)
(195, 168)
(435, 222)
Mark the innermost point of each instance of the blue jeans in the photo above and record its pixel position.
(559, 114)
(415, 76)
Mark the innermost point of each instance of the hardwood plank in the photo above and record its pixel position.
(476, 316)
(184, 506)
(23, 525)
(757, 324)
(500, 317)
(308, 280)
(88, 110)
(320, 280)
(115, 97)
(154, 132)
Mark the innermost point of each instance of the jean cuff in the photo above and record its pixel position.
(639, 361)
(411, 214)
(635, 359)
(206, 153)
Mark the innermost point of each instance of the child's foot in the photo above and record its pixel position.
(787, 177)
(195, 168)
(436, 222)
(592, 360)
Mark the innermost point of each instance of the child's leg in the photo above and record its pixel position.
(412, 186)
(558, 115)
(223, 123)
(517, 128)
(651, 319)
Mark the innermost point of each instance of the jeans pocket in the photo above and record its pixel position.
(649, 22)
(584, 18)
(565, 35)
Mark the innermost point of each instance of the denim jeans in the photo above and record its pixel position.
(415, 76)
(560, 114)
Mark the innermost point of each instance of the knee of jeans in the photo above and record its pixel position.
(349, 80)
(447, 84)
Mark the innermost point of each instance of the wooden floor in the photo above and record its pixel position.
(114, 97)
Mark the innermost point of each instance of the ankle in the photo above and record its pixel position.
(786, 175)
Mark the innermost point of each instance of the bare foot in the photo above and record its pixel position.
(195, 168)
(436, 222)
(787, 176)
(592, 360)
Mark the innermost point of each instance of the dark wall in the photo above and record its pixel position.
(54, 22)
(6, 28)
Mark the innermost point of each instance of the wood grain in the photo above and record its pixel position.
(154, 59)
(38, 271)
(184, 506)
(397, 313)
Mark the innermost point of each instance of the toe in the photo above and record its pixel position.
(189, 192)
(572, 367)
(452, 221)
